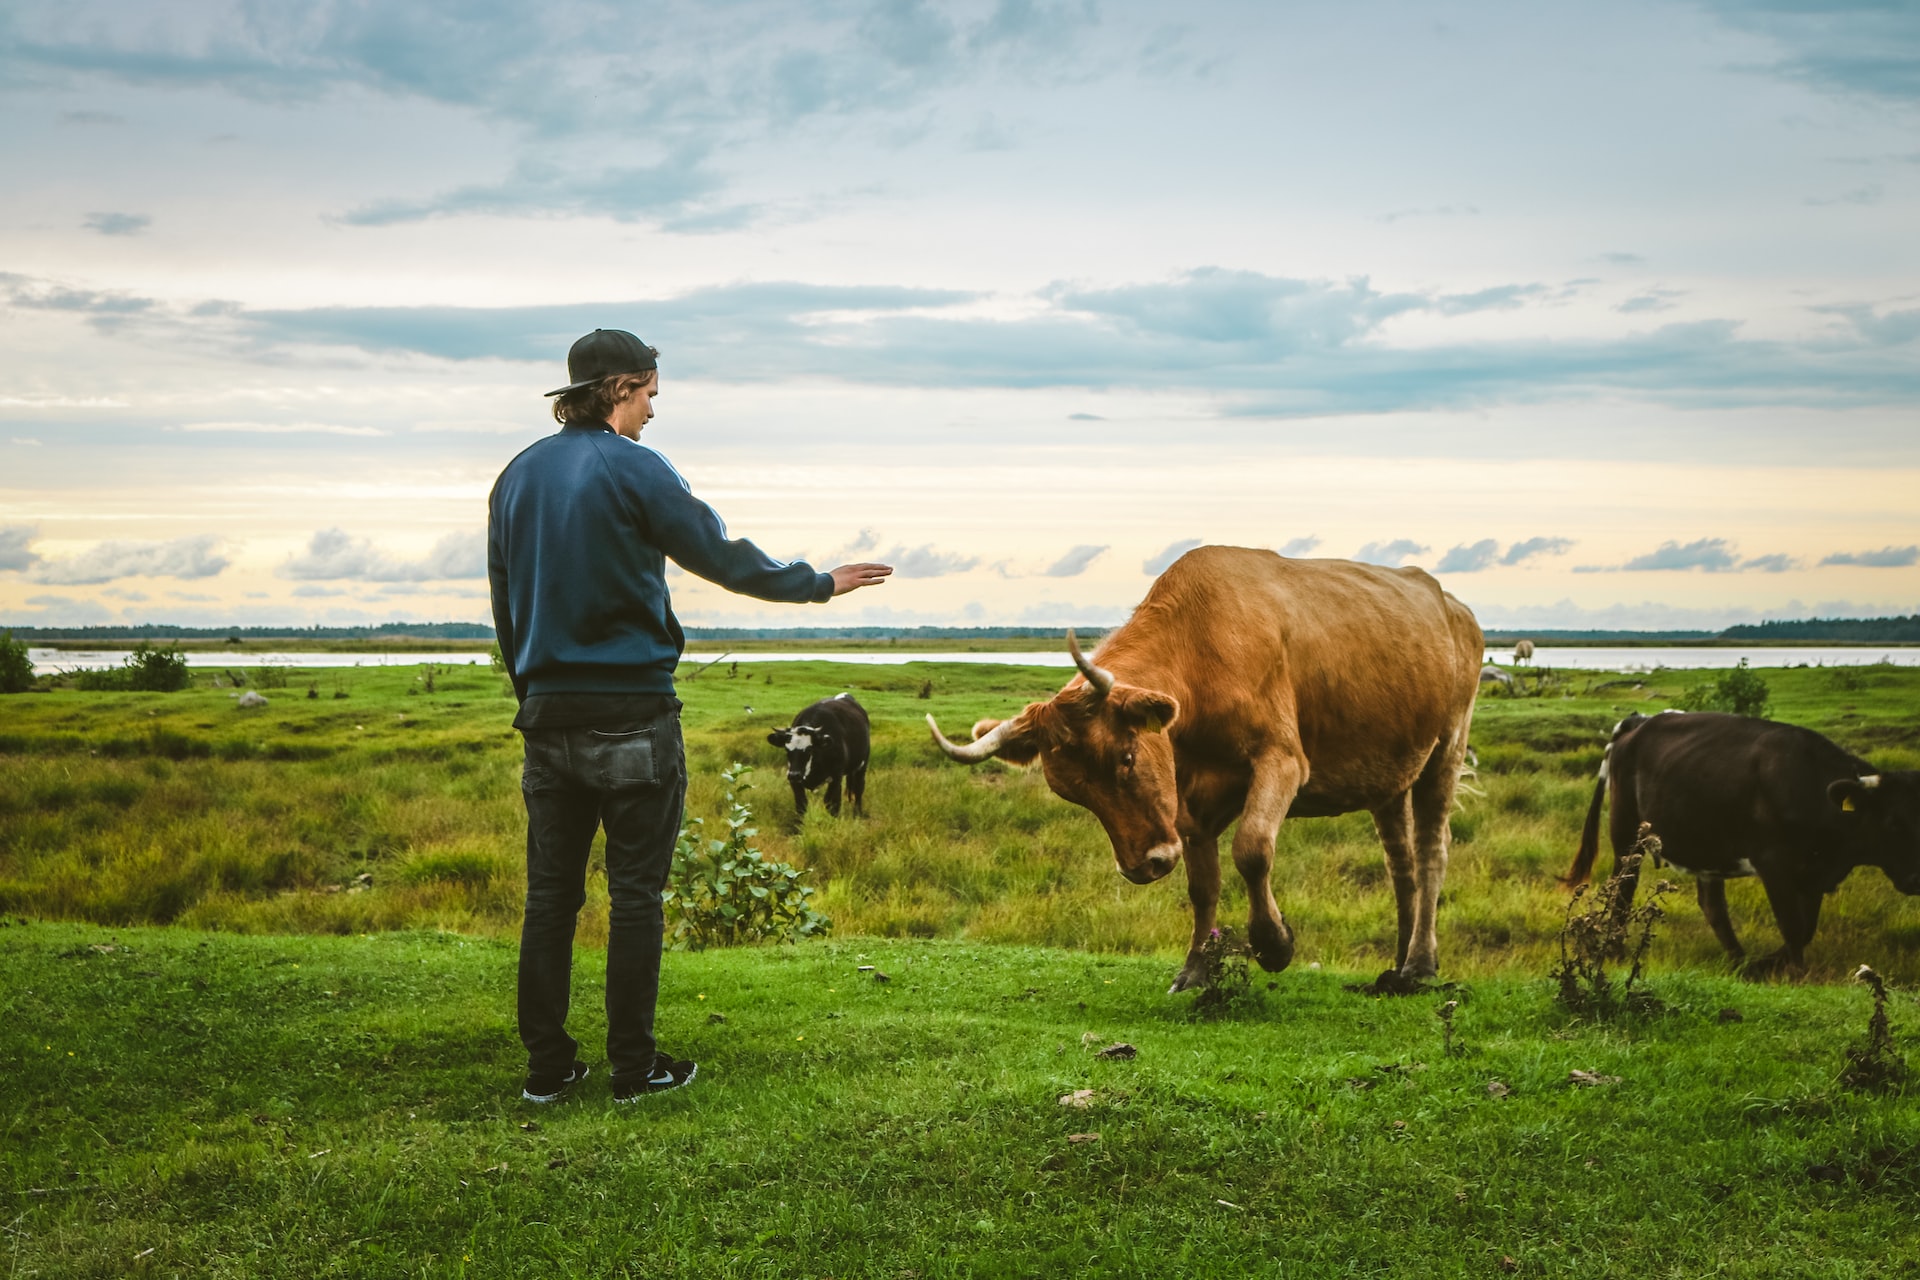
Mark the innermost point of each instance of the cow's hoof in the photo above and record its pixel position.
(1192, 976)
(1768, 967)
(1392, 982)
(1271, 944)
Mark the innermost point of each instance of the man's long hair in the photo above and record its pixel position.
(595, 402)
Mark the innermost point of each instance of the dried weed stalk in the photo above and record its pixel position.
(1874, 1066)
(1606, 932)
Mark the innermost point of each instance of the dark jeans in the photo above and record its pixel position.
(577, 779)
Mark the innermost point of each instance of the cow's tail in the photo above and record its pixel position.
(1590, 832)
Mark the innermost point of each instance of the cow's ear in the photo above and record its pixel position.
(1854, 794)
(779, 737)
(1147, 710)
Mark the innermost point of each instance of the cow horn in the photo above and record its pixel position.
(977, 750)
(1099, 677)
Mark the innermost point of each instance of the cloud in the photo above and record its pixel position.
(1884, 558)
(1709, 555)
(1273, 315)
(62, 611)
(925, 562)
(1617, 259)
(1262, 346)
(1391, 554)
(1864, 48)
(197, 556)
(1300, 546)
(1085, 417)
(1075, 562)
(310, 591)
(1531, 547)
(117, 224)
(539, 188)
(565, 81)
(1468, 559)
(282, 428)
(332, 554)
(1156, 564)
(1714, 555)
(1651, 300)
(1872, 193)
(15, 553)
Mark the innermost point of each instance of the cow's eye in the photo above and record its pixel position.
(1126, 760)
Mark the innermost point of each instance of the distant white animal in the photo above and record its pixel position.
(251, 699)
(1523, 651)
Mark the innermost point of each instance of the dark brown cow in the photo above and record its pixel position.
(1251, 686)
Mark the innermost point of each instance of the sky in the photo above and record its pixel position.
(1609, 316)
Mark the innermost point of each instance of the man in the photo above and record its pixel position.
(579, 530)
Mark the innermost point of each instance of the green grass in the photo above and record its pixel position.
(126, 808)
(181, 1103)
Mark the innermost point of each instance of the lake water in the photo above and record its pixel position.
(1596, 658)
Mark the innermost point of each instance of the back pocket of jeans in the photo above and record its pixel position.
(619, 761)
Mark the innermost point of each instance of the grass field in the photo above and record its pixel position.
(126, 808)
(179, 1103)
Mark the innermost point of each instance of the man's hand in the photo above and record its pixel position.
(852, 577)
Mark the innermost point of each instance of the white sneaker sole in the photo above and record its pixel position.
(555, 1096)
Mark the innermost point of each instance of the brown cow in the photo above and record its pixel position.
(1302, 688)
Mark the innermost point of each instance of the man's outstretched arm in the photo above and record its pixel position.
(692, 534)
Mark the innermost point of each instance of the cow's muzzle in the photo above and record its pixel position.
(1159, 861)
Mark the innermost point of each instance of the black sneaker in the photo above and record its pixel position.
(666, 1073)
(553, 1088)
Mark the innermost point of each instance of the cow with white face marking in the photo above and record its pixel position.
(1730, 796)
(827, 743)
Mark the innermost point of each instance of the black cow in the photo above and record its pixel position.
(1731, 796)
(825, 743)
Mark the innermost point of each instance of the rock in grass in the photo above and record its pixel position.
(1081, 1098)
(1120, 1051)
(1078, 1138)
(1588, 1079)
(251, 699)
(1497, 1090)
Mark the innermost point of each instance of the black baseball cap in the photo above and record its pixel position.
(606, 353)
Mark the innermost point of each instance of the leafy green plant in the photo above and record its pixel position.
(270, 677)
(724, 892)
(148, 669)
(1736, 690)
(1228, 977)
(16, 669)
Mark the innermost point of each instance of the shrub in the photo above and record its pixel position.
(1737, 690)
(16, 669)
(146, 670)
(269, 677)
(154, 670)
(726, 892)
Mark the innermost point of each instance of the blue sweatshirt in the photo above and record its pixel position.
(579, 528)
